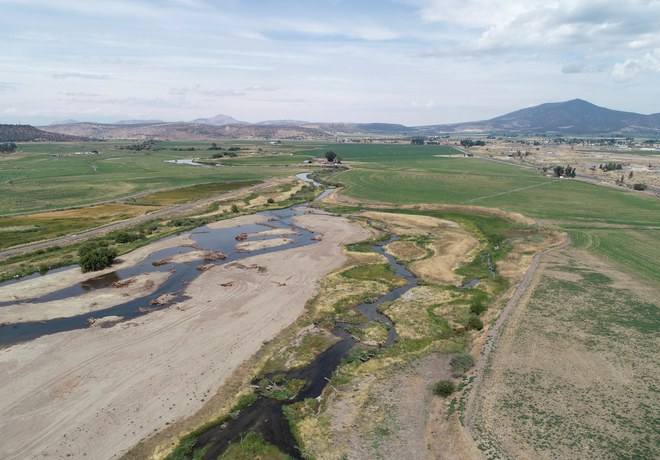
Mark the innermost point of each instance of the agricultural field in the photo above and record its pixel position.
(44, 176)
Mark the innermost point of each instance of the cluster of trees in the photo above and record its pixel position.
(144, 145)
(611, 167)
(332, 157)
(95, 255)
(418, 140)
(564, 171)
(7, 147)
(469, 143)
(639, 186)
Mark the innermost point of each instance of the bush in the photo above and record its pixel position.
(234, 208)
(477, 307)
(444, 388)
(126, 237)
(461, 363)
(270, 200)
(474, 322)
(639, 186)
(94, 255)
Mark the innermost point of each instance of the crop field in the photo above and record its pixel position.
(35, 179)
(636, 250)
(383, 153)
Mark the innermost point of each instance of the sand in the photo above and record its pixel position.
(249, 246)
(96, 392)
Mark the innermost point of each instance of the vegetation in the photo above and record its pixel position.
(253, 446)
(461, 363)
(7, 147)
(561, 171)
(444, 388)
(95, 255)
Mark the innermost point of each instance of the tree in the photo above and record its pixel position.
(331, 156)
(95, 255)
(639, 186)
(467, 143)
(7, 147)
(418, 140)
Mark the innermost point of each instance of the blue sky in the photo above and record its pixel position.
(402, 61)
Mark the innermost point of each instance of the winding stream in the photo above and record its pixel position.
(266, 415)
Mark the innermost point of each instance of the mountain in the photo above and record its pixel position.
(282, 123)
(138, 122)
(571, 117)
(28, 133)
(220, 120)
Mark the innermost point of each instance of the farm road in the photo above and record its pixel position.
(170, 211)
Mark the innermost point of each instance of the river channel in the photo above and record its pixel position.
(266, 415)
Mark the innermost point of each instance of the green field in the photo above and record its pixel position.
(33, 180)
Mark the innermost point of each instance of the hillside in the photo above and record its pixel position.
(28, 133)
(575, 117)
(571, 117)
(189, 131)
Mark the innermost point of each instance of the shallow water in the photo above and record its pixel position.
(205, 238)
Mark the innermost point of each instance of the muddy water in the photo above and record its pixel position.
(266, 416)
(205, 238)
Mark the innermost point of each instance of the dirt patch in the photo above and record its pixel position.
(249, 246)
(415, 224)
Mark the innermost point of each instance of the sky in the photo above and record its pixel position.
(415, 62)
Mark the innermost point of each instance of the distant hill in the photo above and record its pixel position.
(220, 120)
(28, 133)
(189, 131)
(571, 117)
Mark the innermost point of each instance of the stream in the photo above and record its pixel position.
(266, 415)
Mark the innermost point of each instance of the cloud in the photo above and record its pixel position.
(6, 86)
(581, 67)
(85, 76)
(630, 68)
(198, 90)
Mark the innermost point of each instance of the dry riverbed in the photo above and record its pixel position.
(96, 392)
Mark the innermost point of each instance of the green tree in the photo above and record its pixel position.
(418, 140)
(331, 156)
(95, 255)
(444, 388)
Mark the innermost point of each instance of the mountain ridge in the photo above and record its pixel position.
(573, 117)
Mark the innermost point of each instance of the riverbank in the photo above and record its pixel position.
(96, 392)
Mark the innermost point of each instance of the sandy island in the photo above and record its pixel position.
(96, 392)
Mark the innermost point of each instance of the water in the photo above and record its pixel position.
(266, 416)
(205, 238)
(186, 161)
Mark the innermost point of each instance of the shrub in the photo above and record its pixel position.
(478, 307)
(444, 388)
(639, 186)
(270, 200)
(461, 363)
(234, 208)
(95, 255)
(474, 322)
(126, 237)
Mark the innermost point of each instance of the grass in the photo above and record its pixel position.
(19, 230)
(191, 193)
(636, 250)
(590, 322)
(253, 446)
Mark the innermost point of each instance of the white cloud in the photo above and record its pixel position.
(630, 68)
